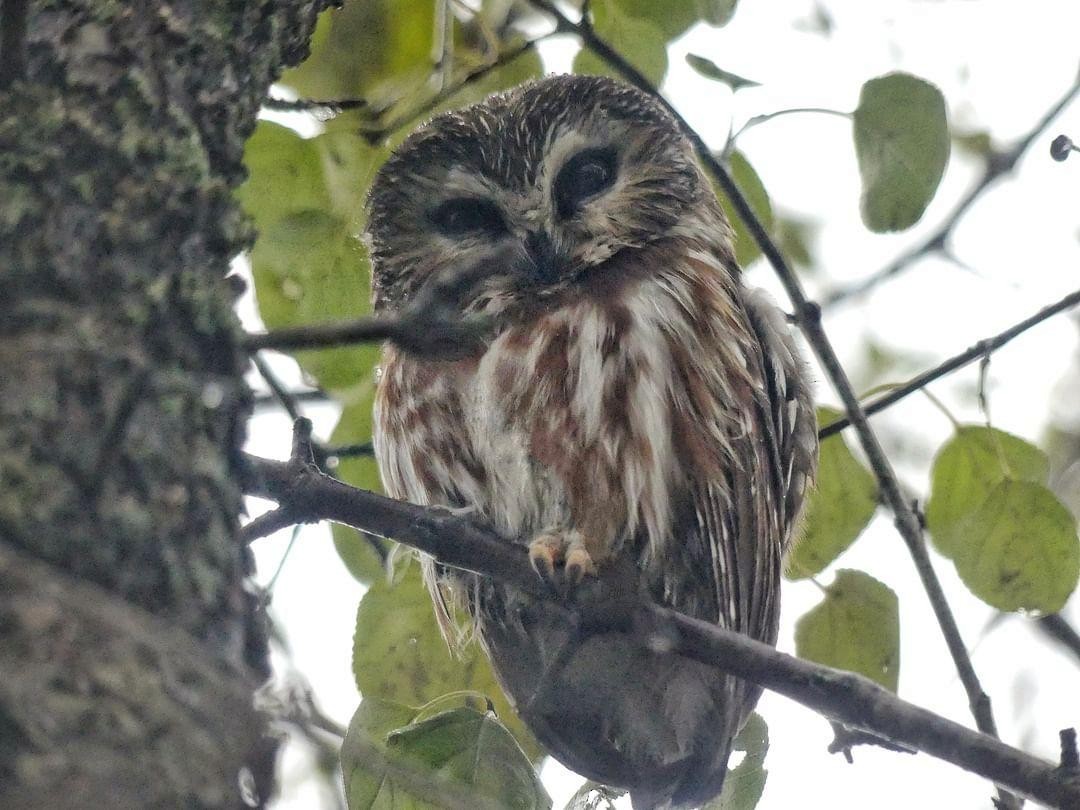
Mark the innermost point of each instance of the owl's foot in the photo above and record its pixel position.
(551, 548)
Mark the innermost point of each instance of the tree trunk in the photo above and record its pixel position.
(129, 646)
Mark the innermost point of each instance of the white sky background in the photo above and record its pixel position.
(1000, 65)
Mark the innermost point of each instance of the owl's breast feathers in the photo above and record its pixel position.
(663, 399)
(663, 414)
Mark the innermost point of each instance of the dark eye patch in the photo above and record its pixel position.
(585, 175)
(467, 215)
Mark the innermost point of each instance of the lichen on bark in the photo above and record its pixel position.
(122, 403)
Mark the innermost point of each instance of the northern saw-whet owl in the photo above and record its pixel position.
(633, 403)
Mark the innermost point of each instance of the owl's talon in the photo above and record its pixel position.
(545, 553)
(579, 564)
(552, 549)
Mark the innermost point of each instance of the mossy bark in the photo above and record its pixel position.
(129, 646)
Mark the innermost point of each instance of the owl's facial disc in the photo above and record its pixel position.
(545, 185)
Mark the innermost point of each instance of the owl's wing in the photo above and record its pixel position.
(735, 527)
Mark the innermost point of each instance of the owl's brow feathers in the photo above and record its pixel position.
(478, 138)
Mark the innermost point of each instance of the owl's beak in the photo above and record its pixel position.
(544, 263)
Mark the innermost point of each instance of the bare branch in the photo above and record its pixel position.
(1058, 628)
(610, 603)
(307, 395)
(326, 106)
(808, 314)
(284, 397)
(267, 524)
(976, 352)
(997, 165)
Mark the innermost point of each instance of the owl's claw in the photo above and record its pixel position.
(545, 553)
(579, 563)
(550, 549)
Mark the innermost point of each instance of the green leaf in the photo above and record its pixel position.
(371, 49)
(902, 145)
(308, 268)
(966, 470)
(855, 627)
(747, 180)
(672, 17)
(745, 783)
(307, 264)
(363, 753)
(473, 749)
(354, 427)
(717, 12)
(641, 44)
(794, 236)
(284, 175)
(710, 70)
(1021, 551)
(837, 509)
(400, 655)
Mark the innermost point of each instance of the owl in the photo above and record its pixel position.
(633, 404)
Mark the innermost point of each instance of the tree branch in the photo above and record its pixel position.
(997, 164)
(607, 604)
(979, 350)
(808, 314)
(1056, 627)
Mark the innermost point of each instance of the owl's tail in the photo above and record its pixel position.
(694, 780)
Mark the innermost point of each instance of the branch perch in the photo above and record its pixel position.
(606, 604)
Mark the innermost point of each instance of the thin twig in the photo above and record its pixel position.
(975, 352)
(430, 325)
(13, 16)
(809, 317)
(757, 120)
(314, 395)
(266, 524)
(284, 397)
(610, 603)
(1058, 628)
(997, 164)
(328, 106)
(844, 739)
(377, 134)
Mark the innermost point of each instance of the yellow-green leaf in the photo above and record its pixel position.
(748, 182)
(837, 509)
(966, 470)
(284, 175)
(745, 783)
(400, 655)
(902, 145)
(641, 44)
(855, 627)
(672, 17)
(717, 12)
(710, 70)
(473, 749)
(1021, 550)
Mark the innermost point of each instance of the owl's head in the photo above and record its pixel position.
(543, 184)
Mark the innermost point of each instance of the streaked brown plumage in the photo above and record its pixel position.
(636, 404)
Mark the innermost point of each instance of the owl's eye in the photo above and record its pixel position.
(465, 215)
(585, 175)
